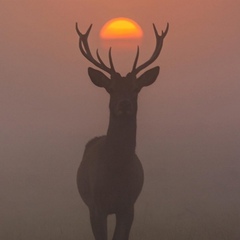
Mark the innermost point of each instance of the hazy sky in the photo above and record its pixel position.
(188, 121)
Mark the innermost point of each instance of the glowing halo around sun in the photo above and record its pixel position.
(121, 28)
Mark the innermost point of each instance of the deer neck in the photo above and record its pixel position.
(121, 135)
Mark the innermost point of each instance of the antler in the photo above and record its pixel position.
(85, 50)
(158, 48)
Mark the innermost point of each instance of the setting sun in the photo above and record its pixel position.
(121, 28)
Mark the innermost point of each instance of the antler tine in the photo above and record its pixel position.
(136, 59)
(158, 48)
(99, 58)
(110, 59)
(85, 50)
(166, 31)
(78, 32)
(81, 35)
(84, 38)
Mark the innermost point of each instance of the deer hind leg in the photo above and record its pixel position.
(124, 221)
(99, 224)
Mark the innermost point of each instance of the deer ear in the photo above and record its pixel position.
(98, 78)
(148, 77)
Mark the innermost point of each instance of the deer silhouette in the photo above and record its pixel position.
(110, 176)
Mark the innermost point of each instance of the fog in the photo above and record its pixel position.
(188, 121)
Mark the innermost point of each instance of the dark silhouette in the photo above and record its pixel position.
(110, 176)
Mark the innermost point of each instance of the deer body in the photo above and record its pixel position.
(110, 176)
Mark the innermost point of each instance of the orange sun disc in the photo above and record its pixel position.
(121, 28)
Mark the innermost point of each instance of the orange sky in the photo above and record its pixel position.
(188, 121)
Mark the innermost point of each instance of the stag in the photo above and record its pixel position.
(110, 176)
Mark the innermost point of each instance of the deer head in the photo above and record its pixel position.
(123, 90)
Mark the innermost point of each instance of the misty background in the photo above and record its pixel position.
(188, 122)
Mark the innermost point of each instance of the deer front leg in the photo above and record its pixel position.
(99, 224)
(124, 221)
